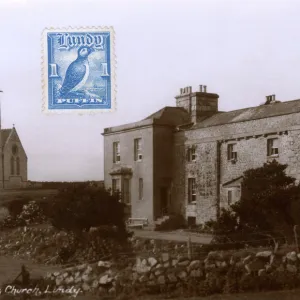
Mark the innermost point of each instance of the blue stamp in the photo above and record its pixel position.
(78, 70)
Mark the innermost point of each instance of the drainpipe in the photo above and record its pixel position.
(2, 168)
(218, 173)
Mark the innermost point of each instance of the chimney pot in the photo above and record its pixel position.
(273, 96)
(204, 87)
(200, 88)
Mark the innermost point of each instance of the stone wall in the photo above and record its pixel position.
(250, 138)
(219, 272)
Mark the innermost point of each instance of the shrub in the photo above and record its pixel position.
(81, 207)
(173, 223)
(15, 207)
(4, 213)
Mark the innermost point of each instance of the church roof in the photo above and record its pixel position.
(5, 134)
(251, 113)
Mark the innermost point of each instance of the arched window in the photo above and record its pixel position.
(12, 166)
(18, 166)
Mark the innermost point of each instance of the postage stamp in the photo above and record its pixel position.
(78, 70)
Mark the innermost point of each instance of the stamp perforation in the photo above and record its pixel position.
(44, 67)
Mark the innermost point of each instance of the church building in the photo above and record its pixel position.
(13, 163)
(189, 159)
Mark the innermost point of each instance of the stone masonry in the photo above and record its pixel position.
(195, 123)
(13, 163)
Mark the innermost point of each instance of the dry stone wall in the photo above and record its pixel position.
(219, 272)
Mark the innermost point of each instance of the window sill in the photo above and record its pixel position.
(138, 160)
(117, 162)
(233, 161)
(273, 156)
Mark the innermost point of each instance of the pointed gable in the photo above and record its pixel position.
(10, 134)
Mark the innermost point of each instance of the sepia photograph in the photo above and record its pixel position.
(149, 149)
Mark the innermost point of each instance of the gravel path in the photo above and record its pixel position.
(177, 236)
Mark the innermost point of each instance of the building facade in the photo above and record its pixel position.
(13, 164)
(190, 159)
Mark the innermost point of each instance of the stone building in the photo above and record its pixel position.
(190, 159)
(13, 163)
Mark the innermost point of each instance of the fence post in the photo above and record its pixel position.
(189, 248)
(296, 237)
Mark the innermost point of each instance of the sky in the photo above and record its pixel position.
(242, 50)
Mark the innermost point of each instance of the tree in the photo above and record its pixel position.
(269, 205)
(78, 207)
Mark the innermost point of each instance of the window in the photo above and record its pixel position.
(14, 150)
(192, 153)
(231, 152)
(126, 191)
(141, 189)
(116, 152)
(18, 165)
(12, 166)
(115, 185)
(138, 149)
(229, 197)
(272, 147)
(191, 190)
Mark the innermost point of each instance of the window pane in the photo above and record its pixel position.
(275, 143)
(229, 196)
(126, 191)
(229, 150)
(269, 147)
(137, 149)
(12, 166)
(141, 192)
(191, 189)
(18, 166)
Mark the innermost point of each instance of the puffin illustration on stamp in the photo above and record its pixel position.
(78, 70)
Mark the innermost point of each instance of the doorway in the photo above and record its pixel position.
(164, 201)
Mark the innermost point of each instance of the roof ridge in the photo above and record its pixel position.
(251, 113)
(261, 105)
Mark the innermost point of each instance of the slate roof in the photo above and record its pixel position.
(234, 182)
(251, 113)
(5, 134)
(170, 115)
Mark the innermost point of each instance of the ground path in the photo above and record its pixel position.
(178, 236)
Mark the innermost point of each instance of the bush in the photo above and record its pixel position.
(173, 223)
(30, 214)
(81, 207)
(15, 207)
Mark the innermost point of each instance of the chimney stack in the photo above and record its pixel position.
(270, 99)
(199, 105)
